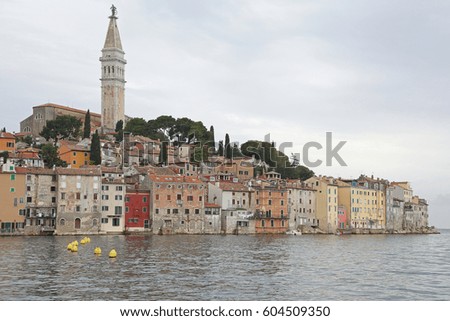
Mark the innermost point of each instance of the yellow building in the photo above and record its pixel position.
(7, 142)
(12, 198)
(75, 155)
(326, 202)
(365, 205)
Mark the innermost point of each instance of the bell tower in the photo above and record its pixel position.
(112, 76)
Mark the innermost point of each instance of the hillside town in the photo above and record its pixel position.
(113, 180)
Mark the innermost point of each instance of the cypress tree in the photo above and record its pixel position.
(96, 156)
(220, 150)
(228, 149)
(87, 125)
(211, 139)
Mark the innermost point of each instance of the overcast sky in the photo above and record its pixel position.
(374, 73)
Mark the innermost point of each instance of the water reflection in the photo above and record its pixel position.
(268, 267)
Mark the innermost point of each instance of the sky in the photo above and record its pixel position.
(375, 74)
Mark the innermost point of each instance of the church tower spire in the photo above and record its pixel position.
(113, 76)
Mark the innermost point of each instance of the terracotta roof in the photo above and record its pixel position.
(7, 135)
(78, 171)
(161, 171)
(226, 186)
(40, 171)
(80, 111)
(174, 179)
(212, 205)
(115, 170)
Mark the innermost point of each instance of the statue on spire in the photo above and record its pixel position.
(113, 11)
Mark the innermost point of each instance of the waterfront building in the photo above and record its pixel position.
(177, 204)
(41, 201)
(230, 195)
(271, 205)
(395, 212)
(212, 220)
(78, 200)
(112, 200)
(364, 201)
(12, 198)
(112, 77)
(235, 221)
(301, 205)
(137, 209)
(326, 202)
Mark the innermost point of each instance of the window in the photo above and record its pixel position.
(270, 202)
(271, 223)
(282, 202)
(62, 222)
(28, 188)
(29, 199)
(78, 208)
(127, 199)
(157, 197)
(12, 177)
(104, 220)
(186, 211)
(168, 211)
(78, 196)
(53, 199)
(95, 196)
(127, 209)
(105, 208)
(168, 197)
(156, 210)
(178, 197)
(118, 188)
(197, 211)
(53, 189)
(118, 210)
(190, 198)
(118, 197)
(94, 222)
(105, 188)
(116, 221)
(144, 210)
(12, 189)
(263, 223)
(175, 211)
(105, 197)
(144, 199)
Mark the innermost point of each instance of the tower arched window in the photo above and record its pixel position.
(113, 69)
(104, 70)
(109, 70)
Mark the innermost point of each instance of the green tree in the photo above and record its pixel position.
(96, 155)
(87, 125)
(119, 131)
(211, 140)
(4, 155)
(137, 126)
(49, 154)
(220, 149)
(62, 127)
(228, 149)
(164, 153)
(4, 130)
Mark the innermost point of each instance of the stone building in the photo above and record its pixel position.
(41, 197)
(34, 124)
(112, 77)
(112, 200)
(230, 195)
(78, 201)
(177, 204)
(301, 205)
(395, 212)
(137, 209)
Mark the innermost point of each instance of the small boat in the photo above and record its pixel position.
(294, 232)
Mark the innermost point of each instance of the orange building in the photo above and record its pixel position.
(7, 142)
(271, 209)
(75, 155)
(12, 198)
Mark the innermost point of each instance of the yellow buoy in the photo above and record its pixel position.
(88, 240)
(112, 253)
(75, 248)
(69, 247)
(97, 251)
(83, 241)
(75, 243)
